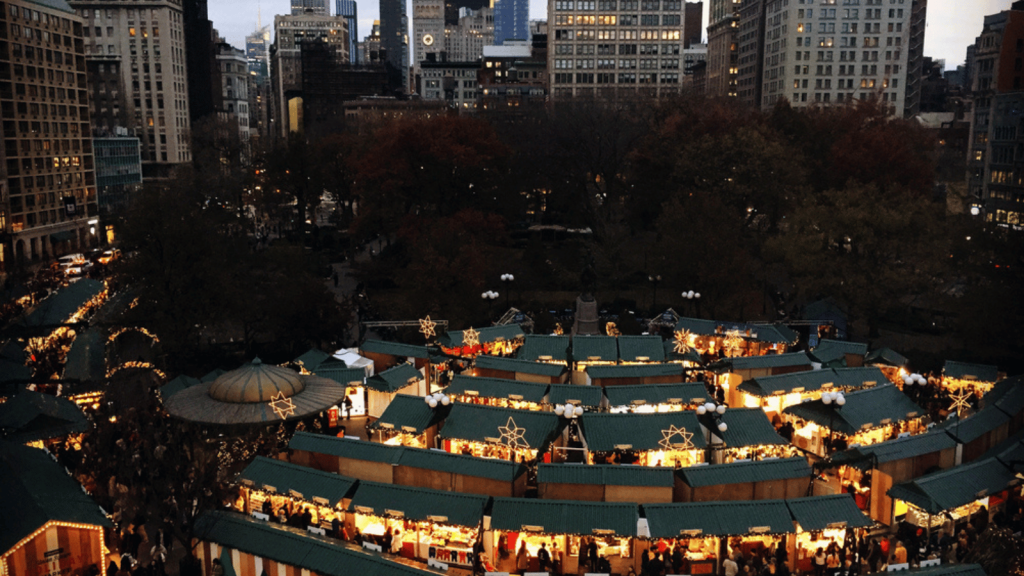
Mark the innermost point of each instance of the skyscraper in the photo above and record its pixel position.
(47, 181)
(318, 7)
(394, 43)
(511, 20)
(723, 49)
(257, 51)
(200, 60)
(347, 9)
(750, 60)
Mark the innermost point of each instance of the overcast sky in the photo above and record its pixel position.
(952, 24)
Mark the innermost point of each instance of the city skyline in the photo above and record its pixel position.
(952, 24)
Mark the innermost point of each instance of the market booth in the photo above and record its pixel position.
(711, 531)
(353, 379)
(502, 433)
(497, 392)
(540, 348)
(425, 524)
(632, 374)
(604, 483)
(512, 369)
(731, 372)
(769, 479)
(589, 397)
(722, 338)
(408, 466)
(271, 487)
(50, 526)
(40, 419)
(648, 398)
(641, 349)
(749, 436)
(821, 521)
(409, 421)
(869, 416)
(385, 354)
(562, 526)
(977, 433)
(954, 494)
(776, 393)
(671, 439)
(868, 472)
(839, 353)
(890, 362)
(1008, 396)
(501, 340)
(979, 378)
(383, 387)
(593, 351)
(249, 547)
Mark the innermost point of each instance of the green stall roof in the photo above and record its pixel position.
(564, 516)
(654, 394)
(790, 360)
(1007, 449)
(441, 461)
(719, 518)
(410, 414)
(887, 357)
(948, 489)
(812, 380)
(86, 360)
(1007, 395)
(485, 423)
(523, 366)
(338, 372)
(641, 349)
(864, 409)
(394, 379)
(13, 371)
(640, 432)
(821, 512)
(312, 359)
(604, 475)
(285, 477)
(743, 472)
(595, 349)
(395, 349)
(29, 416)
(910, 447)
(636, 371)
(585, 395)
(770, 333)
(412, 503)
(452, 339)
(749, 427)
(61, 305)
(943, 570)
(278, 543)
(177, 385)
(497, 388)
(547, 348)
(34, 490)
(968, 371)
(833, 352)
(690, 355)
(975, 426)
(345, 447)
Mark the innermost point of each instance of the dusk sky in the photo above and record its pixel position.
(952, 24)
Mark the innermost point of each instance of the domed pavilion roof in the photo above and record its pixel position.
(256, 382)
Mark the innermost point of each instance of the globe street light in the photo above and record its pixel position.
(694, 298)
(507, 279)
(654, 280)
(490, 296)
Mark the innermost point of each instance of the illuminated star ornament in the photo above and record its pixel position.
(733, 343)
(667, 436)
(682, 341)
(558, 329)
(283, 407)
(427, 328)
(470, 337)
(960, 401)
(512, 435)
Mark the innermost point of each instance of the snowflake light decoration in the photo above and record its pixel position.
(512, 435)
(470, 337)
(427, 327)
(283, 407)
(960, 401)
(682, 341)
(673, 431)
(733, 343)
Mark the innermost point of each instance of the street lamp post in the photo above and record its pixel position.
(490, 296)
(654, 279)
(507, 279)
(840, 400)
(694, 298)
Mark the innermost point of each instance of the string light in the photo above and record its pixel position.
(136, 364)
(113, 336)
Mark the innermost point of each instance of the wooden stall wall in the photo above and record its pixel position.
(58, 551)
(245, 564)
(364, 470)
(587, 492)
(973, 450)
(638, 494)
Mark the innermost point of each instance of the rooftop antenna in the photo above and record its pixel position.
(259, 16)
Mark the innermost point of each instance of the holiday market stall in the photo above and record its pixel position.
(632, 374)
(978, 432)
(751, 480)
(822, 521)
(861, 417)
(731, 372)
(867, 472)
(671, 439)
(647, 398)
(604, 483)
(891, 363)
(503, 433)
(641, 349)
(550, 349)
(501, 340)
(41, 419)
(978, 378)
(497, 392)
(731, 339)
(353, 379)
(347, 456)
(385, 354)
(409, 421)
(593, 351)
(272, 489)
(419, 523)
(839, 353)
(1008, 396)
(512, 369)
(383, 387)
(562, 528)
(589, 397)
(776, 393)
(748, 435)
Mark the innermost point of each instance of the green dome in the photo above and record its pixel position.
(255, 382)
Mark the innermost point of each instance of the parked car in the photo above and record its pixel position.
(69, 260)
(79, 269)
(109, 256)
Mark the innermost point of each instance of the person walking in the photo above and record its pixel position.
(522, 558)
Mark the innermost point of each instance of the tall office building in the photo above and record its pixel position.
(915, 58)
(511, 20)
(200, 59)
(257, 51)
(233, 71)
(615, 48)
(995, 165)
(816, 54)
(257, 54)
(347, 9)
(371, 45)
(723, 47)
(750, 52)
(47, 181)
(394, 43)
(693, 32)
(140, 48)
(427, 30)
(465, 42)
(317, 7)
